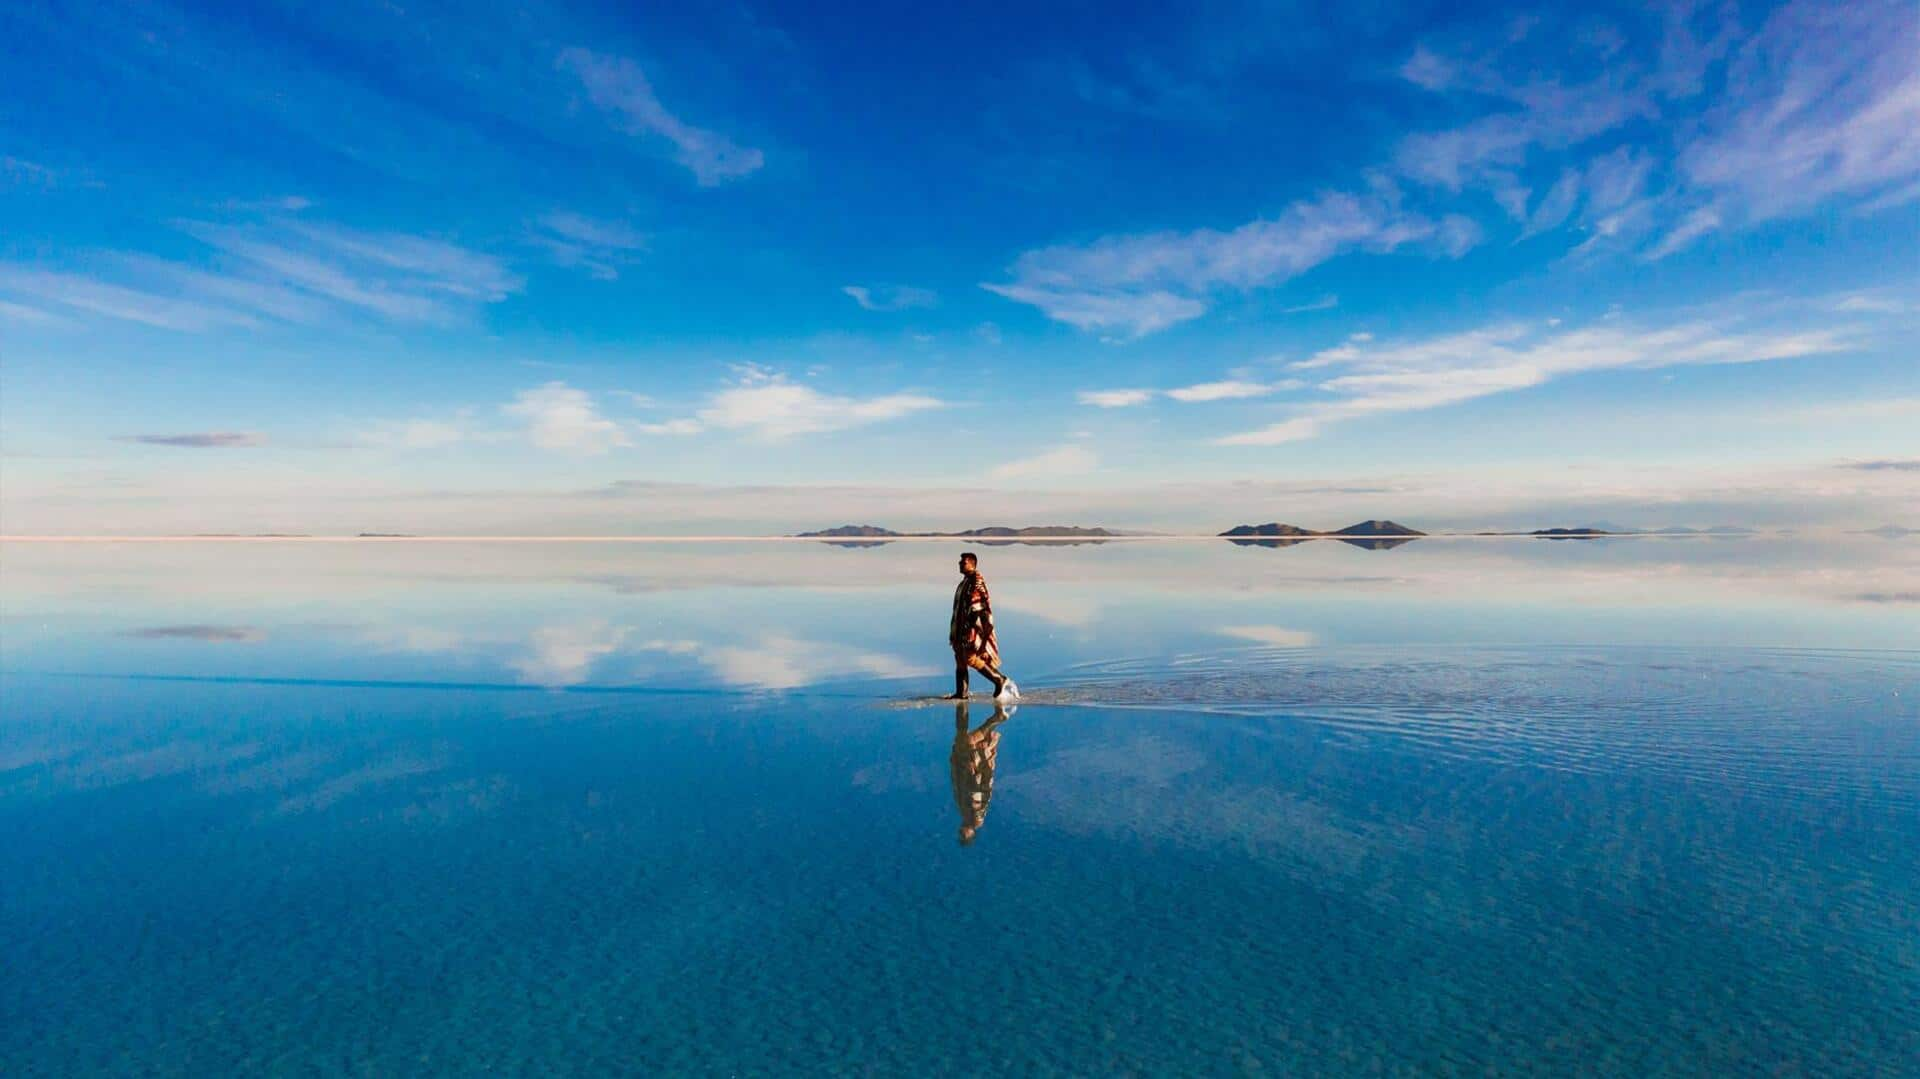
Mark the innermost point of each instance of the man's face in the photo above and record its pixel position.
(965, 565)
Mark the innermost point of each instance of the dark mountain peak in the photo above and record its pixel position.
(1378, 528)
(845, 531)
(1271, 528)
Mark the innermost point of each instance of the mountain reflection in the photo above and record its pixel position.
(1371, 543)
(975, 751)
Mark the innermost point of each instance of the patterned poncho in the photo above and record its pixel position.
(971, 630)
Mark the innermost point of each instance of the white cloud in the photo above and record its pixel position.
(1223, 390)
(1876, 305)
(565, 655)
(1134, 314)
(1230, 390)
(1060, 461)
(682, 426)
(1273, 636)
(890, 297)
(1136, 285)
(1430, 373)
(781, 662)
(1274, 434)
(1699, 223)
(559, 417)
(768, 405)
(619, 86)
(1115, 398)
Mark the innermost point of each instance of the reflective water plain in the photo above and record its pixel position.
(1627, 806)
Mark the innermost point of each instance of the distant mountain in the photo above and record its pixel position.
(1729, 530)
(1377, 528)
(1271, 528)
(851, 532)
(1275, 529)
(1612, 529)
(1893, 531)
(1270, 541)
(1568, 533)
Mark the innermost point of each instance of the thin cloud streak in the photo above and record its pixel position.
(1141, 284)
(1449, 369)
(1061, 461)
(619, 86)
(890, 297)
(276, 273)
(202, 440)
(575, 241)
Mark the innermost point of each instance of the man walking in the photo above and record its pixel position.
(970, 632)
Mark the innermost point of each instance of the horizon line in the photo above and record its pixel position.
(874, 540)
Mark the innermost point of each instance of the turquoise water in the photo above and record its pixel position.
(1632, 808)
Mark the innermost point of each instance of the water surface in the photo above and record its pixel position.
(1635, 806)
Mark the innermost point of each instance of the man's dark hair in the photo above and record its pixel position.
(969, 556)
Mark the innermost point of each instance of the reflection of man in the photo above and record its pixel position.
(972, 765)
(970, 632)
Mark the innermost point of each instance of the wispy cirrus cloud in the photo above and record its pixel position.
(1428, 373)
(890, 297)
(258, 274)
(1820, 103)
(601, 248)
(1824, 101)
(20, 314)
(1140, 284)
(202, 440)
(619, 86)
(78, 296)
(1906, 464)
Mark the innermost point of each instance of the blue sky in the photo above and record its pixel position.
(731, 268)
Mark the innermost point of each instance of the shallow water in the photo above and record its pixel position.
(1633, 807)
